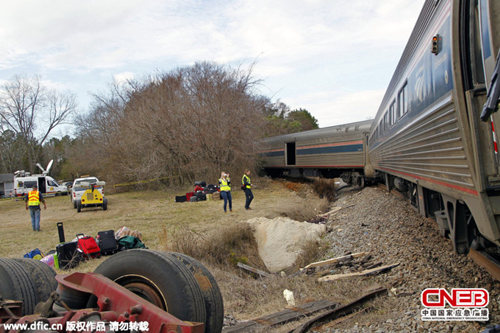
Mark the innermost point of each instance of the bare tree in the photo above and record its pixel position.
(32, 112)
(186, 124)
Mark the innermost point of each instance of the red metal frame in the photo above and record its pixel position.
(115, 303)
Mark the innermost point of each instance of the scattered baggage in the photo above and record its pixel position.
(130, 242)
(189, 195)
(34, 254)
(88, 246)
(201, 196)
(200, 183)
(107, 242)
(180, 198)
(68, 255)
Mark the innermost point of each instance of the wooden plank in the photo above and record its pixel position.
(282, 317)
(334, 277)
(336, 260)
(253, 270)
(333, 211)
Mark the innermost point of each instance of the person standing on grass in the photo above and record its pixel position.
(33, 199)
(225, 190)
(247, 184)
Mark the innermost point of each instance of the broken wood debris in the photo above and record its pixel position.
(334, 277)
(336, 260)
(253, 270)
(339, 311)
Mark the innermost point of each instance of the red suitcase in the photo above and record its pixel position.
(88, 246)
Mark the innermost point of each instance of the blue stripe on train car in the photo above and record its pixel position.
(330, 150)
(274, 153)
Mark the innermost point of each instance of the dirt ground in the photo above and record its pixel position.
(371, 220)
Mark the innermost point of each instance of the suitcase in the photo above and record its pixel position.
(68, 256)
(88, 246)
(180, 198)
(107, 242)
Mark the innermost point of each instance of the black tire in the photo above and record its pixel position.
(42, 277)
(78, 206)
(17, 285)
(104, 204)
(212, 296)
(161, 280)
(74, 204)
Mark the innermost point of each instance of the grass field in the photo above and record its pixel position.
(166, 225)
(153, 213)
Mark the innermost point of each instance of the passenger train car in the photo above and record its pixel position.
(433, 138)
(427, 138)
(330, 152)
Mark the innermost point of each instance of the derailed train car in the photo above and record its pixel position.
(433, 137)
(336, 151)
(428, 139)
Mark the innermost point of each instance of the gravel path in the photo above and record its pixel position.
(387, 226)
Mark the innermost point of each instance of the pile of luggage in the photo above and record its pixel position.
(201, 192)
(69, 254)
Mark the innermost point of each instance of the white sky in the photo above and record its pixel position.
(334, 58)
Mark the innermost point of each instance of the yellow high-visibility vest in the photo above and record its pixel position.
(34, 198)
(224, 184)
(249, 185)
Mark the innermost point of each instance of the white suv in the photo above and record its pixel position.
(78, 188)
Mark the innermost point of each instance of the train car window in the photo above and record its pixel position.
(392, 111)
(403, 101)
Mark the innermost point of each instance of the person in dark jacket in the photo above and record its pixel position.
(247, 184)
(225, 190)
(33, 200)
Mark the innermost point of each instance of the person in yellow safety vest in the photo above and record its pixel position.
(247, 187)
(225, 190)
(33, 199)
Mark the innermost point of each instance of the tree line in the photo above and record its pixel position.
(178, 126)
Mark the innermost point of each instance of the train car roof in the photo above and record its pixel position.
(362, 126)
(411, 46)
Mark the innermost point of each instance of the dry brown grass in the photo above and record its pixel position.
(325, 188)
(225, 248)
(311, 251)
(200, 229)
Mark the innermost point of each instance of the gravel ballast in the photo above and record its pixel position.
(386, 225)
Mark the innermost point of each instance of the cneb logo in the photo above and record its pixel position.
(460, 297)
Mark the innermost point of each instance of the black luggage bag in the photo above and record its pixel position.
(180, 198)
(68, 256)
(107, 242)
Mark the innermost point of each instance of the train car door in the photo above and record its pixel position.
(489, 23)
(290, 153)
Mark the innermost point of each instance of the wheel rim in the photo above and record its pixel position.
(144, 288)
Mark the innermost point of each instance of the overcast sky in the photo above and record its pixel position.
(334, 58)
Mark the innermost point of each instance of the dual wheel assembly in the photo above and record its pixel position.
(173, 282)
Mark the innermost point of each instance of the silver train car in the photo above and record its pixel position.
(431, 138)
(336, 151)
